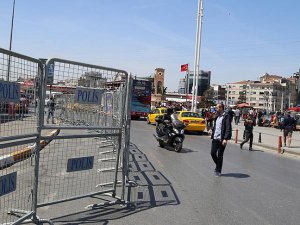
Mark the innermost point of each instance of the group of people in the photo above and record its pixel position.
(286, 123)
(219, 126)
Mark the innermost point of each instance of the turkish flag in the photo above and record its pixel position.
(184, 67)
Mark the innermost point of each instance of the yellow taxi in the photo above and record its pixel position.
(193, 121)
(154, 113)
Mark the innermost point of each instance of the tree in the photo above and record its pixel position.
(209, 94)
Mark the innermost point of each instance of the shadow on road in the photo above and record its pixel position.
(256, 150)
(187, 150)
(153, 190)
(236, 175)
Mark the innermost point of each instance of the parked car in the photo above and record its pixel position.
(194, 121)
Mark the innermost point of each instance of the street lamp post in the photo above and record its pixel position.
(10, 40)
(227, 95)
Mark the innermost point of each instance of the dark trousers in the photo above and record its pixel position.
(248, 136)
(237, 120)
(217, 151)
(209, 124)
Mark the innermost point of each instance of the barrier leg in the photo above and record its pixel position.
(259, 138)
(236, 135)
(279, 144)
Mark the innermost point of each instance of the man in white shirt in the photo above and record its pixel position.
(221, 133)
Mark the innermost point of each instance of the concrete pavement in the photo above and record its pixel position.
(269, 138)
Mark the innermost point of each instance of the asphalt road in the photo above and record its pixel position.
(258, 187)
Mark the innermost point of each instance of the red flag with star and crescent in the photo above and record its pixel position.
(184, 67)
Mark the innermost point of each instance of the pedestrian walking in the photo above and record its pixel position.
(51, 110)
(230, 113)
(249, 124)
(22, 106)
(237, 116)
(209, 117)
(220, 134)
(289, 123)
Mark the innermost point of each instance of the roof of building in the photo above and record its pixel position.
(269, 76)
(242, 82)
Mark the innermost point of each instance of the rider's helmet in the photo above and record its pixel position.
(170, 111)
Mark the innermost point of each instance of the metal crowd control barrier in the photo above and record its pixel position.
(20, 83)
(83, 149)
(84, 159)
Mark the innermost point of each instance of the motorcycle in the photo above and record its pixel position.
(175, 133)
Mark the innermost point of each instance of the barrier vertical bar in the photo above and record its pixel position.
(126, 135)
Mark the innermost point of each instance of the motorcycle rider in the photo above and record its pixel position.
(167, 121)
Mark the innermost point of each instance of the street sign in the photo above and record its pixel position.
(88, 95)
(9, 91)
(50, 74)
(8, 183)
(78, 164)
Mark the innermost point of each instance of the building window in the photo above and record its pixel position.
(261, 104)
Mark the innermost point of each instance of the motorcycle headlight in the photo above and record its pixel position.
(176, 131)
(182, 131)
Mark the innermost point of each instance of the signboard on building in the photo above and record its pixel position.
(9, 91)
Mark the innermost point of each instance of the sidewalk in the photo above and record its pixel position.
(269, 138)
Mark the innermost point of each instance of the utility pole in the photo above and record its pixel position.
(227, 95)
(197, 55)
(10, 40)
(281, 102)
(187, 83)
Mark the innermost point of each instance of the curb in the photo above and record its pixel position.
(20, 155)
(270, 148)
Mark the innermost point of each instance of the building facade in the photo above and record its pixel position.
(182, 86)
(270, 92)
(219, 93)
(158, 85)
(203, 82)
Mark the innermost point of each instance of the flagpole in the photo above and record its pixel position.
(198, 52)
(196, 55)
(188, 83)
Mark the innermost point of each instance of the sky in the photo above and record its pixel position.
(241, 39)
